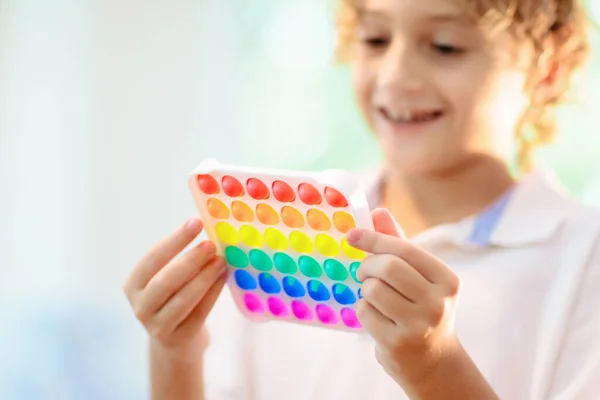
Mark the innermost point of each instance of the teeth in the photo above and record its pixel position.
(413, 116)
(402, 116)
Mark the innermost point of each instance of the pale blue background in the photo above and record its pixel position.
(106, 106)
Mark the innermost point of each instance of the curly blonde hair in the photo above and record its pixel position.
(557, 31)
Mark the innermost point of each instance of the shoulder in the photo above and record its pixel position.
(577, 239)
(580, 215)
(543, 216)
(581, 229)
(577, 365)
(542, 212)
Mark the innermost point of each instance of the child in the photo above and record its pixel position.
(446, 87)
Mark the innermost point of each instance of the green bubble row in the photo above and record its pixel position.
(285, 264)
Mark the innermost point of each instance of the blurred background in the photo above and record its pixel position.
(106, 106)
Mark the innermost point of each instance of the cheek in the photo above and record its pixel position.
(489, 103)
(509, 99)
(362, 82)
(506, 106)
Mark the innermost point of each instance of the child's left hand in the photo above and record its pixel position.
(408, 300)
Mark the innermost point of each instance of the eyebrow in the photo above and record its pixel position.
(448, 17)
(439, 17)
(366, 13)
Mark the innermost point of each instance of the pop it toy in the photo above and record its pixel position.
(283, 236)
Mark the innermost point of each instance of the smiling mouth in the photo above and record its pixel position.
(411, 117)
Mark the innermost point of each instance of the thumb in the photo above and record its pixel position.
(385, 223)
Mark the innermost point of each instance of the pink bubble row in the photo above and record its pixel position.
(301, 310)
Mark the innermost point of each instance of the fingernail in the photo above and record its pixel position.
(208, 246)
(353, 236)
(194, 224)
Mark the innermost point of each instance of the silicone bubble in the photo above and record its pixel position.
(236, 257)
(217, 209)
(343, 221)
(268, 283)
(251, 236)
(302, 311)
(260, 260)
(275, 239)
(318, 220)
(208, 184)
(254, 303)
(335, 270)
(232, 187)
(352, 252)
(257, 189)
(283, 192)
(245, 280)
(353, 269)
(309, 194)
(277, 307)
(284, 263)
(327, 245)
(241, 211)
(301, 242)
(317, 291)
(267, 214)
(227, 233)
(326, 314)
(292, 217)
(335, 198)
(343, 294)
(349, 318)
(309, 267)
(293, 287)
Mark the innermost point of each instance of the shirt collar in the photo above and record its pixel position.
(536, 209)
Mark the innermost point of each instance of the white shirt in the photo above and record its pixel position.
(528, 314)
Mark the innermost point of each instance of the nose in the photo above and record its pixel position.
(400, 70)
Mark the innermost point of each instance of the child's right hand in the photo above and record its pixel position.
(173, 296)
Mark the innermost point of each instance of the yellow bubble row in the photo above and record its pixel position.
(277, 240)
(289, 215)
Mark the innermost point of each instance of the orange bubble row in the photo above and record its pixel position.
(281, 190)
(290, 216)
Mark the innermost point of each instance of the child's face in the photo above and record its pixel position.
(435, 90)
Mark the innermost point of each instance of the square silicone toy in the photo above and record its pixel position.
(283, 236)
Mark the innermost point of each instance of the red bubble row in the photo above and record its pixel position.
(281, 190)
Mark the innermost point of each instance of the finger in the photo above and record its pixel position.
(179, 307)
(199, 314)
(161, 253)
(174, 276)
(387, 301)
(375, 323)
(396, 273)
(433, 269)
(385, 223)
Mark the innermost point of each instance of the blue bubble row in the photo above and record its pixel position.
(291, 286)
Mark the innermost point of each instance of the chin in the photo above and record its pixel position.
(410, 159)
(423, 164)
(412, 165)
